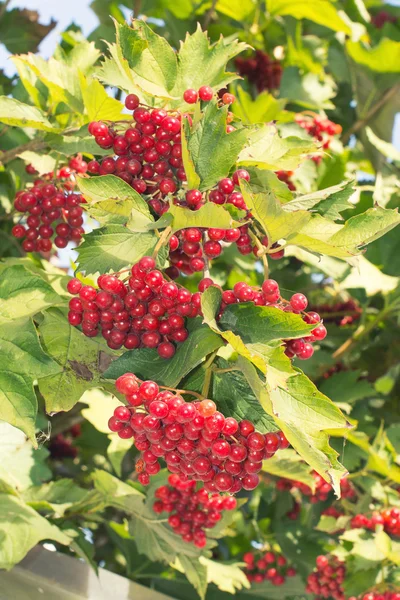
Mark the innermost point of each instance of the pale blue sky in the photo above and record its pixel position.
(78, 10)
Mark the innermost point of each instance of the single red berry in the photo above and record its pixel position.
(206, 93)
(190, 96)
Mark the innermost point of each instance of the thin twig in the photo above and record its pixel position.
(162, 240)
(209, 14)
(361, 331)
(8, 156)
(360, 123)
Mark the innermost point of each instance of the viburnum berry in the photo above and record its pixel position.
(190, 96)
(145, 311)
(327, 578)
(322, 491)
(261, 70)
(193, 438)
(228, 98)
(267, 566)
(206, 93)
(132, 101)
(191, 512)
(47, 206)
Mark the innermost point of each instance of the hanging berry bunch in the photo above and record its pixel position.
(191, 512)
(388, 517)
(261, 70)
(321, 129)
(323, 489)
(267, 566)
(269, 295)
(341, 313)
(52, 212)
(145, 311)
(194, 439)
(327, 579)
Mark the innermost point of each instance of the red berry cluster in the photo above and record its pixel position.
(378, 596)
(195, 440)
(286, 177)
(327, 579)
(146, 312)
(268, 566)
(52, 211)
(269, 295)
(265, 73)
(205, 93)
(148, 152)
(381, 18)
(191, 511)
(62, 445)
(388, 517)
(341, 313)
(320, 128)
(336, 368)
(322, 488)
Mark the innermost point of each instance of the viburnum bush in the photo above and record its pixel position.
(199, 306)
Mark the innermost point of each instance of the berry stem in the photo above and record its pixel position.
(162, 241)
(261, 253)
(208, 374)
(199, 396)
(206, 270)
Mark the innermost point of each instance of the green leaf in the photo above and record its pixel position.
(23, 293)
(288, 464)
(365, 228)
(263, 324)
(309, 90)
(22, 361)
(214, 151)
(201, 63)
(109, 188)
(146, 363)
(383, 58)
(101, 405)
(262, 181)
(150, 57)
(81, 362)
(21, 528)
(322, 12)
(329, 202)
(21, 30)
(235, 398)
(21, 466)
(98, 104)
(55, 497)
(116, 493)
(306, 417)
(347, 387)
(277, 222)
(16, 113)
(227, 577)
(262, 109)
(193, 180)
(195, 571)
(267, 150)
(43, 163)
(72, 144)
(384, 148)
(116, 451)
(113, 247)
(357, 582)
(208, 215)
(331, 524)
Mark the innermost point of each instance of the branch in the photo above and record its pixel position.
(6, 157)
(376, 107)
(209, 13)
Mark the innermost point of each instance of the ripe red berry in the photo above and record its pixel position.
(190, 96)
(132, 101)
(206, 93)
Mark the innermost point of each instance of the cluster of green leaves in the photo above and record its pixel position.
(333, 60)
